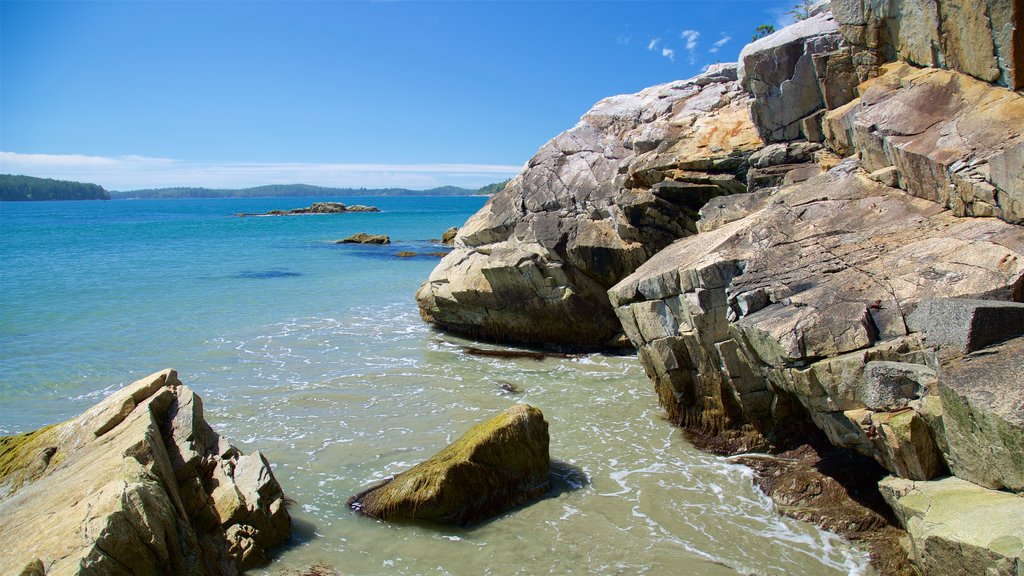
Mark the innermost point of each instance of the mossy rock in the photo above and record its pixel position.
(26, 456)
(498, 464)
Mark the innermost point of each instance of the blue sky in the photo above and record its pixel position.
(413, 94)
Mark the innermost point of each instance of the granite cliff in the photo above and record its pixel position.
(138, 484)
(822, 239)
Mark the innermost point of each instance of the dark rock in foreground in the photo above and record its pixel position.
(316, 208)
(138, 484)
(364, 238)
(498, 464)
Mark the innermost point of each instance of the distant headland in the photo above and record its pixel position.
(21, 188)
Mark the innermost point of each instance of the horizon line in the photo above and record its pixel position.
(135, 172)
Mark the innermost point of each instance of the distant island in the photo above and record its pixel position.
(21, 188)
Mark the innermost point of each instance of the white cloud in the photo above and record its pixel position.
(133, 172)
(720, 42)
(653, 43)
(691, 37)
(669, 53)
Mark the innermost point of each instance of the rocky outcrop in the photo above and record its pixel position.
(788, 83)
(448, 238)
(980, 38)
(138, 484)
(952, 139)
(364, 238)
(959, 529)
(791, 301)
(316, 208)
(498, 464)
(534, 264)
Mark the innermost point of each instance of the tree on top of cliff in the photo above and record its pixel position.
(802, 11)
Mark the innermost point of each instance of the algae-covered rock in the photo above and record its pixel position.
(958, 528)
(138, 484)
(496, 465)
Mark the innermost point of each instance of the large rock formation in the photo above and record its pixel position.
(792, 300)
(498, 464)
(138, 484)
(863, 285)
(594, 203)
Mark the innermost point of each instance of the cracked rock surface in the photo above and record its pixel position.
(534, 264)
(138, 484)
(749, 326)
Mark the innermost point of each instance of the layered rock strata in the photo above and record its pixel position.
(950, 138)
(534, 264)
(787, 304)
(138, 484)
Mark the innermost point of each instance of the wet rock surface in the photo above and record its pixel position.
(498, 464)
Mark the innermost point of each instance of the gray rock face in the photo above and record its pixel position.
(957, 528)
(968, 325)
(982, 39)
(779, 70)
(138, 484)
(775, 314)
(534, 264)
(983, 415)
(892, 385)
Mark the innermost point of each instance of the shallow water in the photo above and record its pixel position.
(314, 353)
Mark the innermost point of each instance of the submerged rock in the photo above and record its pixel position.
(137, 484)
(364, 238)
(498, 464)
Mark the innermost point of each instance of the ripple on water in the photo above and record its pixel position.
(340, 403)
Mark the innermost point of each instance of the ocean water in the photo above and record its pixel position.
(315, 354)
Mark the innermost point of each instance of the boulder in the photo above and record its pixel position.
(448, 238)
(957, 528)
(364, 238)
(983, 415)
(498, 464)
(953, 139)
(534, 264)
(751, 327)
(138, 484)
(892, 385)
(967, 325)
(983, 39)
(779, 70)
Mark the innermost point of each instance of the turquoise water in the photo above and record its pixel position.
(315, 354)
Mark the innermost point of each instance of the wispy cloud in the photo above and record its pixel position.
(653, 43)
(669, 53)
(720, 42)
(624, 40)
(691, 37)
(132, 172)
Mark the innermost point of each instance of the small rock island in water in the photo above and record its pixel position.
(315, 208)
